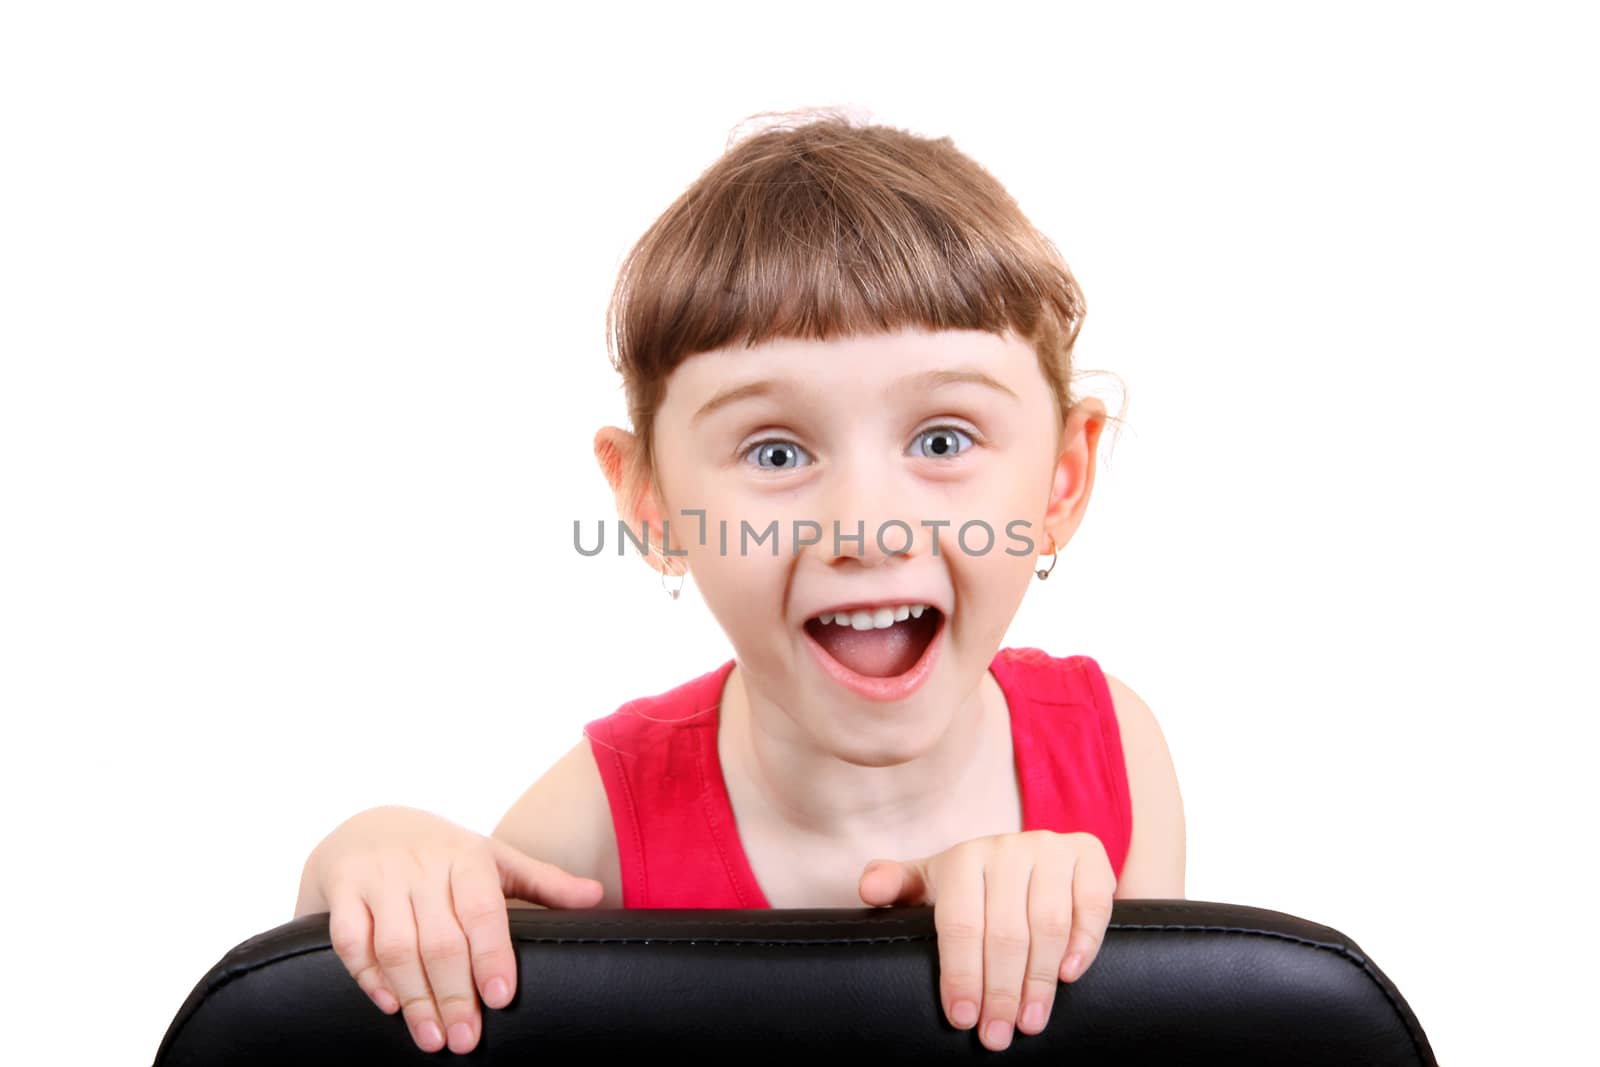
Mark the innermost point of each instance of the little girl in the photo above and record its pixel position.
(847, 358)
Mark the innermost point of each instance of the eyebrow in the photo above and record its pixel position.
(927, 379)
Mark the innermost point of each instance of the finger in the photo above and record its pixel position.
(1049, 928)
(1005, 939)
(1093, 887)
(958, 921)
(886, 883)
(481, 909)
(447, 958)
(394, 942)
(524, 878)
(350, 931)
(880, 883)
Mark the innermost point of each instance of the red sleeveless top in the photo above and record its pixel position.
(676, 839)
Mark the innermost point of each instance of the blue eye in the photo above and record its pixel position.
(941, 442)
(778, 455)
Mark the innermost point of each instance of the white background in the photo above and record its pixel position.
(301, 318)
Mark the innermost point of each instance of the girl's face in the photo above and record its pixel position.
(912, 437)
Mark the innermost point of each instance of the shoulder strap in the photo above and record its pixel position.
(677, 843)
(1068, 747)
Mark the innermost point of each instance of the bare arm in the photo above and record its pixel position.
(565, 819)
(310, 901)
(1156, 856)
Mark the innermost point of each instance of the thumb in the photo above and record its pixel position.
(886, 883)
(524, 878)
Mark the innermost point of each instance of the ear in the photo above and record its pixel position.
(638, 505)
(1075, 466)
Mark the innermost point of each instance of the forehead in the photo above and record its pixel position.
(873, 363)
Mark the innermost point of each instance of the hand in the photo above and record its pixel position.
(409, 892)
(1007, 909)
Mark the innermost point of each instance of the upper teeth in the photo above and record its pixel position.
(875, 619)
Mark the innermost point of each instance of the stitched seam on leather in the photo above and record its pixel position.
(873, 921)
(1355, 960)
(1366, 969)
(703, 923)
(680, 939)
(1340, 950)
(1344, 952)
(227, 977)
(1188, 909)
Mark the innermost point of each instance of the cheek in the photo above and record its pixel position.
(745, 595)
(747, 581)
(999, 522)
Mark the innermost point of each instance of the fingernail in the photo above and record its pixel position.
(965, 1013)
(1074, 966)
(1033, 1017)
(429, 1034)
(498, 993)
(999, 1033)
(460, 1037)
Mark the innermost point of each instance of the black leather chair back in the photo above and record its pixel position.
(1176, 982)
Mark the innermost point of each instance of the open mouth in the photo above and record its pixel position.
(883, 642)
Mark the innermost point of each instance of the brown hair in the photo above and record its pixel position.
(816, 228)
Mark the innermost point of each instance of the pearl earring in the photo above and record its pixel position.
(1042, 572)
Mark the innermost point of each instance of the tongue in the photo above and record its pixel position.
(875, 653)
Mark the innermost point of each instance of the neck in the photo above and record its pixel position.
(785, 778)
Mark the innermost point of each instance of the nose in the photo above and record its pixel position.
(868, 523)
